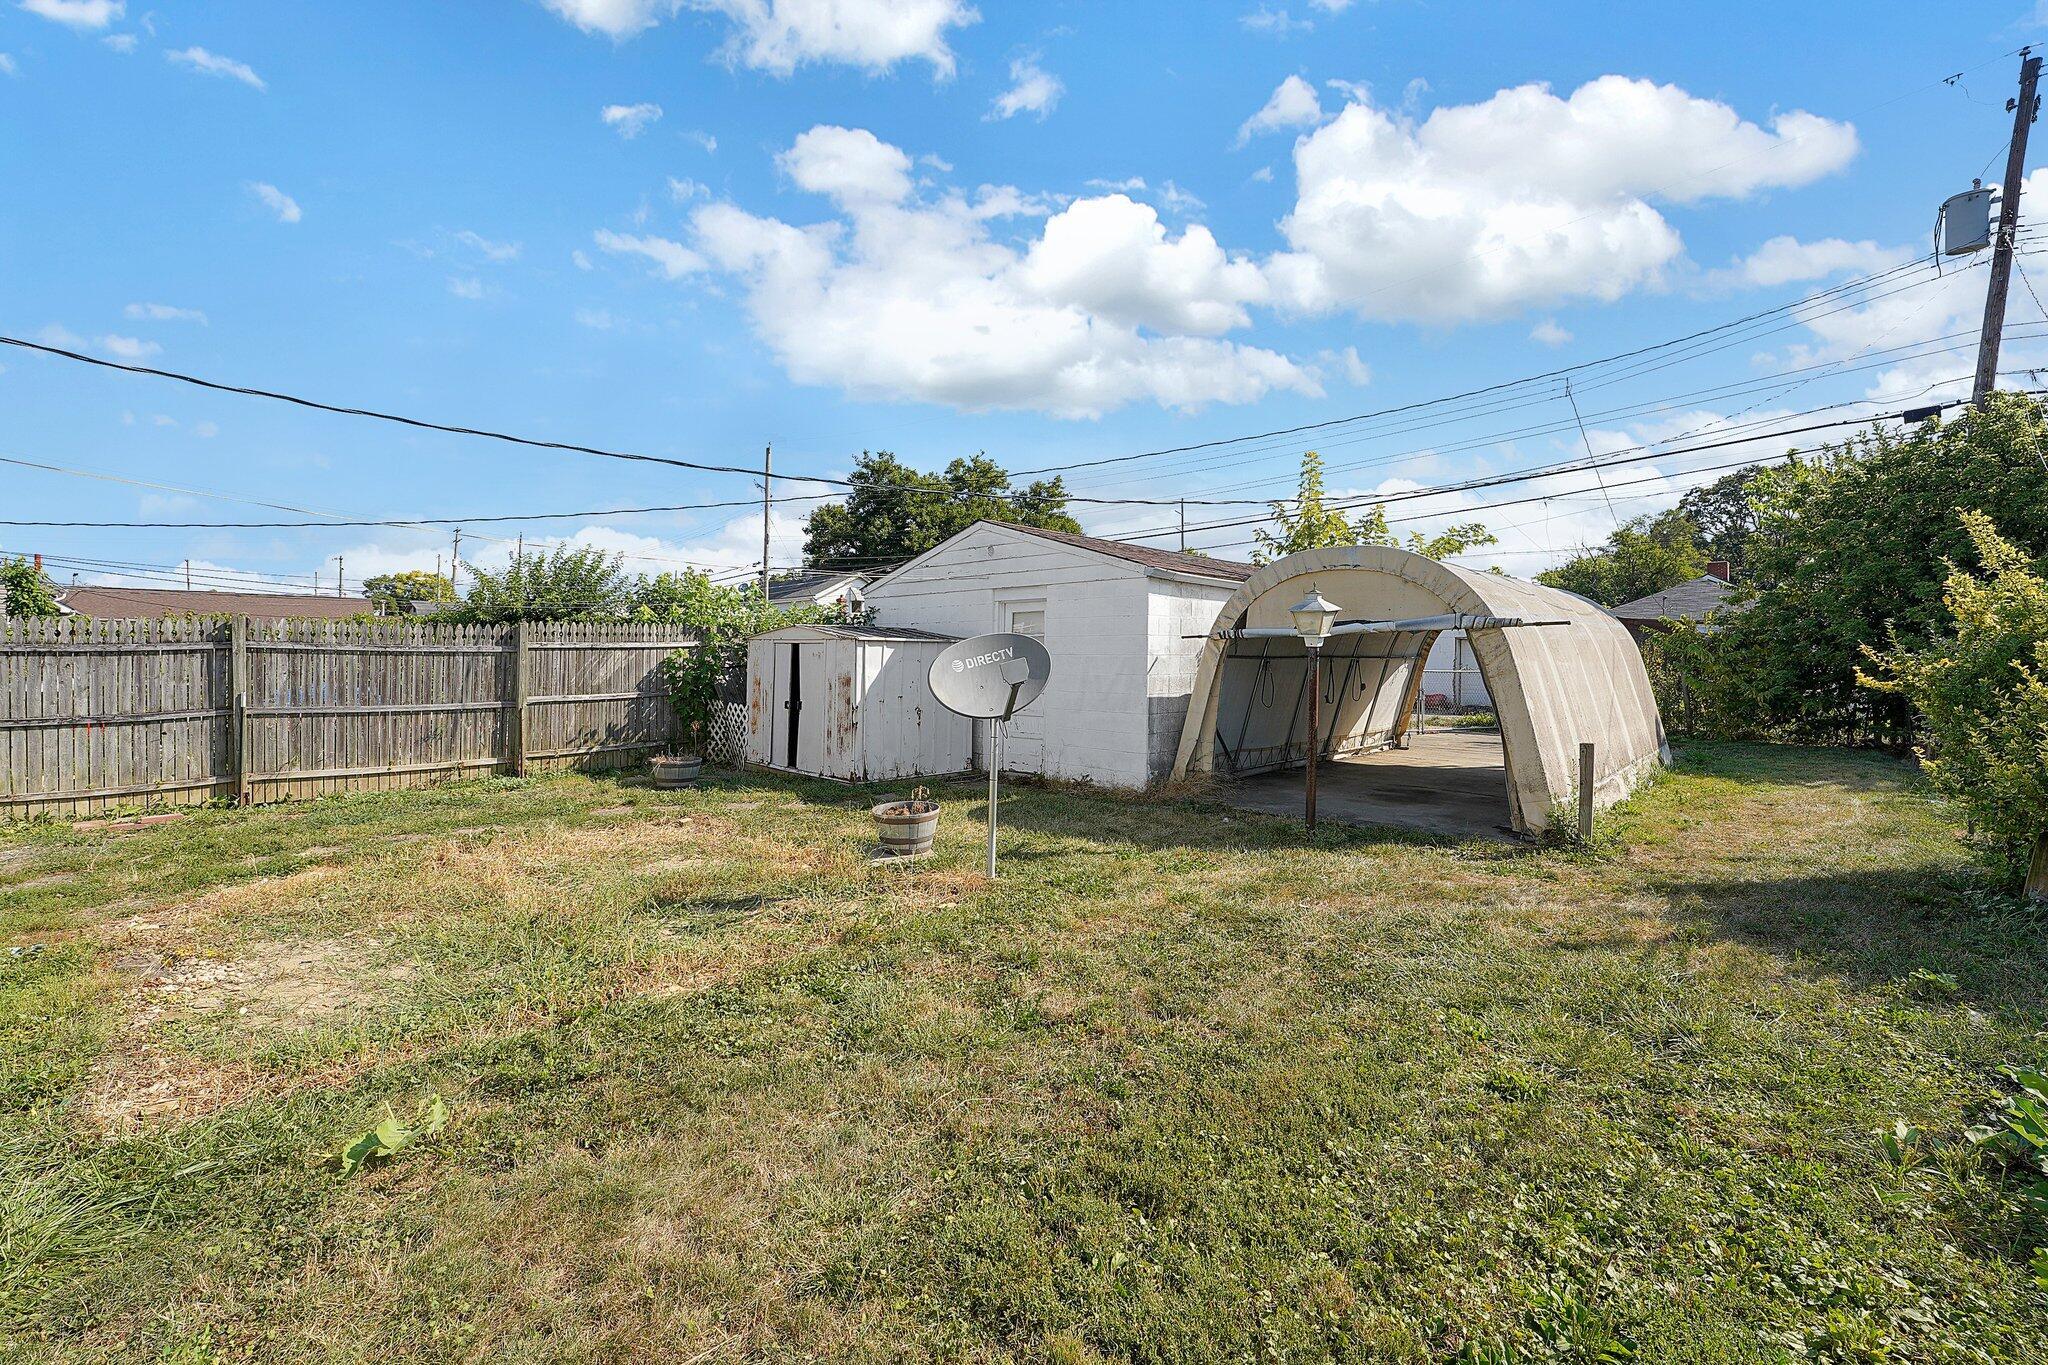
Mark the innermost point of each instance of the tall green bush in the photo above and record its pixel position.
(1980, 690)
(24, 591)
(722, 618)
(1854, 544)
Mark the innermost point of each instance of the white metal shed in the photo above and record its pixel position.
(852, 703)
(1125, 625)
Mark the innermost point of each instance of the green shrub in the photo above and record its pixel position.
(1981, 692)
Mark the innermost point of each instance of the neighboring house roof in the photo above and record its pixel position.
(812, 585)
(1171, 560)
(119, 603)
(1689, 601)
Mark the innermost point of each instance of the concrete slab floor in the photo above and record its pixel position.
(1451, 782)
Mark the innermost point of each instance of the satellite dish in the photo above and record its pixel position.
(991, 677)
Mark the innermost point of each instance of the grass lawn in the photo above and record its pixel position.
(1183, 1086)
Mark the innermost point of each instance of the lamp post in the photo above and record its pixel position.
(1314, 615)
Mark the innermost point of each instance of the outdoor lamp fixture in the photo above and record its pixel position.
(1314, 617)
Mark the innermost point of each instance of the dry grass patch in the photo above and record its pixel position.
(143, 1078)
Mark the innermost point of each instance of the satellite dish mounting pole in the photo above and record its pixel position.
(990, 678)
(995, 768)
(2023, 109)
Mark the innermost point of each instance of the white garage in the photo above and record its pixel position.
(1117, 619)
(852, 703)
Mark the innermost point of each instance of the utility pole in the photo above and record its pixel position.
(1183, 525)
(339, 591)
(188, 575)
(455, 565)
(2024, 110)
(767, 470)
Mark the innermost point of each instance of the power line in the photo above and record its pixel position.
(417, 422)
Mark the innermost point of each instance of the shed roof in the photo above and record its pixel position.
(119, 603)
(1145, 555)
(1689, 601)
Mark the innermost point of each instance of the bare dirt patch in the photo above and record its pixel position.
(141, 1078)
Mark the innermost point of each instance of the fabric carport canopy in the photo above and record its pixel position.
(1559, 668)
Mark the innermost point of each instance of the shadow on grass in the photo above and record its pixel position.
(1878, 927)
(1794, 765)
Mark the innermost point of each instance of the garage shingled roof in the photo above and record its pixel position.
(1174, 561)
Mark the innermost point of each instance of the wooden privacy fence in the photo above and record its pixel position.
(105, 713)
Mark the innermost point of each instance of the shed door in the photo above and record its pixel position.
(1024, 740)
(808, 700)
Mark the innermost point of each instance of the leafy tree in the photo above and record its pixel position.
(1452, 540)
(722, 617)
(897, 512)
(1852, 550)
(1725, 514)
(554, 584)
(1646, 555)
(1310, 523)
(396, 592)
(24, 591)
(1981, 690)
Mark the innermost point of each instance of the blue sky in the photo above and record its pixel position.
(1054, 232)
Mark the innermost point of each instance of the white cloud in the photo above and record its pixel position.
(129, 348)
(1179, 200)
(597, 319)
(630, 120)
(485, 247)
(7, 66)
(1548, 333)
(277, 201)
(1277, 22)
(1262, 176)
(77, 13)
(62, 337)
(465, 287)
(902, 298)
(1293, 104)
(850, 165)
(672, 259)
(683, 191)
(205, 430)
(1522, 199)
(1348, 363)
(581, 260)
(163, 312)
(1033, 90)
(1331, 6)
(213, 64)
(702, 139)
(1785, 260)
(613, 18)
(123, 43)
(781, 35)
(1112, 257)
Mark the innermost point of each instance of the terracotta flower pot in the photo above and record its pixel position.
(907, 828)
(676, 770)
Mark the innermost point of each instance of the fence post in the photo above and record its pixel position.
(1586, 793)
(519, 685)
(238, 691)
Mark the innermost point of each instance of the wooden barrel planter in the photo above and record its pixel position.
(676, 770)
(906, 828)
